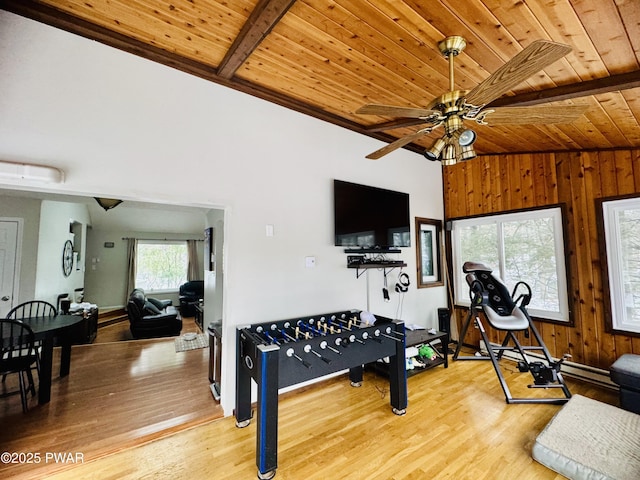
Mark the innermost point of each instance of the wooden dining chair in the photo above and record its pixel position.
(32, 308)
(18, 355)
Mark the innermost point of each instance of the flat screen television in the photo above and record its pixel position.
(370, 217)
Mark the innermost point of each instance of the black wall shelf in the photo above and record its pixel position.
(379, 265)
(372, 250)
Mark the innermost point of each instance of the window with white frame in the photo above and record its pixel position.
(622, 242)
(523, 246)
(161, 265)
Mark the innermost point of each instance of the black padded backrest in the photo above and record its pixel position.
(193, 288)
(135, 305)
(499, 298)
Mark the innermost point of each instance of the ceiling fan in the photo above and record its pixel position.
(456, 106)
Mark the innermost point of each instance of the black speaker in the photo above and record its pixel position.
(444, 320)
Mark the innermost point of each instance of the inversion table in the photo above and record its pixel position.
(491, 297)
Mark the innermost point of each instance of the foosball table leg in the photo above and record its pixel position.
(355, 376)
(398, 377)
(244, 365)
(267, 410)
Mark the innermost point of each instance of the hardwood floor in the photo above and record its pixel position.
(119, 332)
(118, 395)
(457, 426)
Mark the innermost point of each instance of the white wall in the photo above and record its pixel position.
(214, 280)
(55, 219)
(123, 127)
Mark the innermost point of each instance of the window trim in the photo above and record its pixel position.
(568, 319)
(603, 241)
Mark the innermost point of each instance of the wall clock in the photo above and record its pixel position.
(67, 258)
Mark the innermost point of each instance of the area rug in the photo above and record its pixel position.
(184, 343)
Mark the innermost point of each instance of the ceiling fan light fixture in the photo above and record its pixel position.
(449, 155)
(467, 152)
(107, 203)
(452, 124)
(433, 153)
(466, 137)
(463, 137)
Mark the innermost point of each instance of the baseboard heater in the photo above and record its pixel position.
(593, 375)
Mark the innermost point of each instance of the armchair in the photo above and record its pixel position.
(190, 294)
(151, 318)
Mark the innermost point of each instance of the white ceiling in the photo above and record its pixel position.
(129, 215)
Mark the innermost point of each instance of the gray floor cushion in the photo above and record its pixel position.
(591, 440)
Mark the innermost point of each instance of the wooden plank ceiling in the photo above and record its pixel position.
(328, 58)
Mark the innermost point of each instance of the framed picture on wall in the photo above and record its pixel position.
(428, 240)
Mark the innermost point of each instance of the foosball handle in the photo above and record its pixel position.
(292, 353)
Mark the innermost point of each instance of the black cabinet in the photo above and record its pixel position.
(199, 315)
(85, 331)
(88, 329)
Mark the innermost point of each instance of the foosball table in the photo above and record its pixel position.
(286, 352)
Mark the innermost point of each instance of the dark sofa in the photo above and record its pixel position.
(151, 318)
(190, 294)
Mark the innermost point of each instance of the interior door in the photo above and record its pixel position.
(8, 254)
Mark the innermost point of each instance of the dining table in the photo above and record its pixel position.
(49, 330)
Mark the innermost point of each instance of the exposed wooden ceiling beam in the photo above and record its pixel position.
(265, 15)
(613, 83)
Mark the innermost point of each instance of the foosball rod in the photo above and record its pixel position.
(285, 334)
(309, 327)
(387, 330)
(346, 324)
(395, 339)
(291, 353)
(324, 344)
(261, 334)
(308, 349)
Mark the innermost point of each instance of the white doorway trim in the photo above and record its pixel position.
(15, 287)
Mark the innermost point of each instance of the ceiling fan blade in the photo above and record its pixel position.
(397, 123)
(531, 115)
(532, 59)
(401, 142)
(392, 111)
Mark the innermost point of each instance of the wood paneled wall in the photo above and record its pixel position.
(499, 183)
